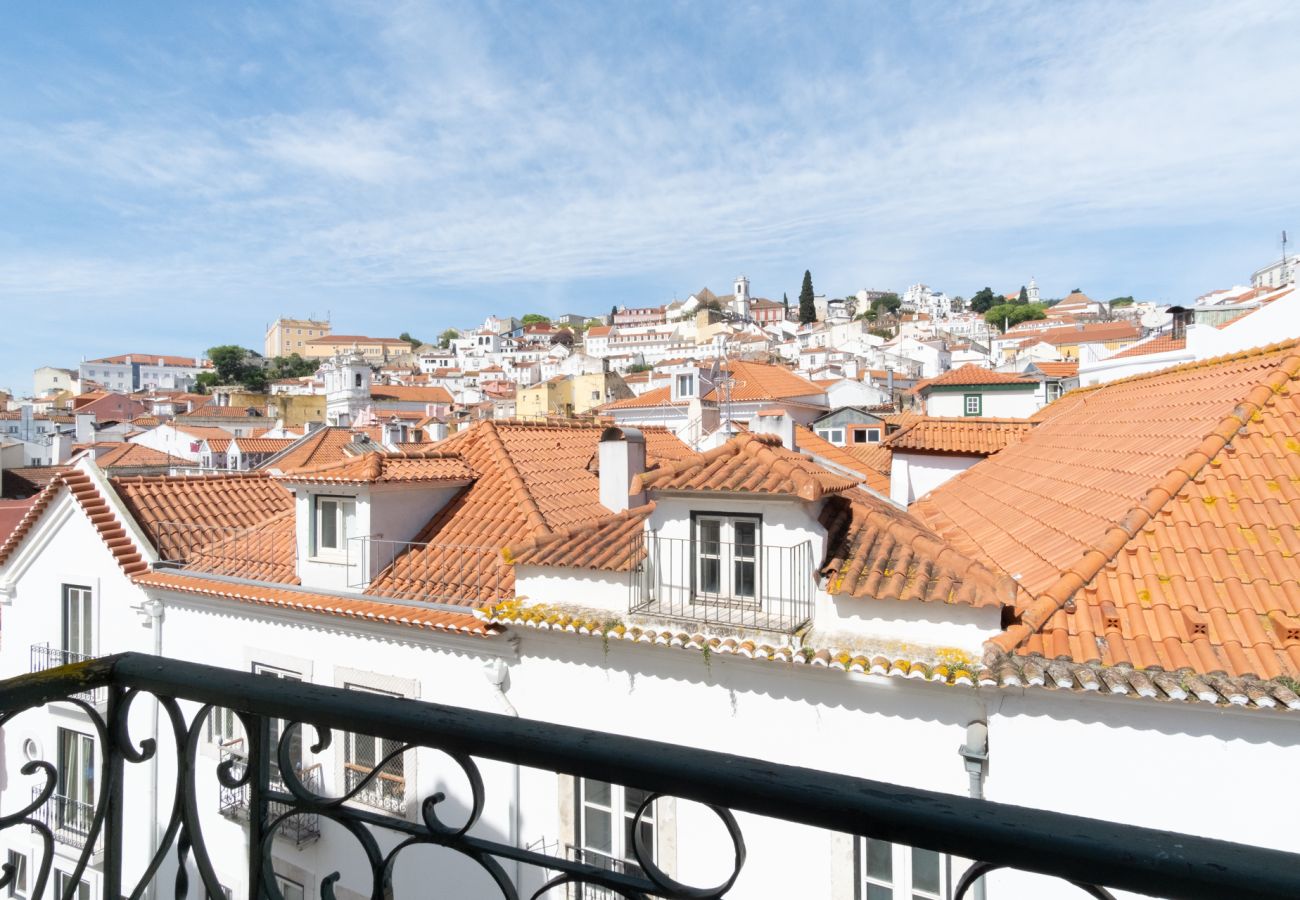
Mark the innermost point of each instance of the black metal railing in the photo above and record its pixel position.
(67, 819)
(1085, 852)
(43, 657)
(375, 788)
(233, 799)
(600, 861)
(729, 584)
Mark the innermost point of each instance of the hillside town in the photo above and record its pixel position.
(922, 539)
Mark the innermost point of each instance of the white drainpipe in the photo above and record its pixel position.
(152, 612)
(976, 754)
(497, 672)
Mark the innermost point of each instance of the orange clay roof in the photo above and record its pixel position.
(533, 479)
(874, 549)
(611, 544)
(750, 382)
(84, 492)
(403, 393)
(211, 410)
(287, 597)
(203, 432)
(406, 466)
(810, 442)
(879, 459)
(263, 445)
(128, 455)
(971, 374)
(958, 434)
(11, 515)
(1058, 369)
(1165, 506)
(749, 464)
(149, 359)
(1162, 343)
(182, 514)
(322, 446)
(1078, 334)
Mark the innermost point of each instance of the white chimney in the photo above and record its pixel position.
(60, 448)
(622, 458)
(392, 433)
(777, 422)
(436, 431)
(85, 428)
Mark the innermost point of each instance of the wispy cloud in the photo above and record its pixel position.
(381, 147)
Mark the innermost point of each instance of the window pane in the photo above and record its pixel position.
(329, 524)
(647, 838)
(596, 792)
(710, 531)
(746, 538)
(880, 860)
(925, 870)
(744, 580)
(710, 575)
(876, 892)
(632, 800)
(596, 829)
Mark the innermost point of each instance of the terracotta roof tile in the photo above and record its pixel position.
(402, 393)
(1161, 343)
(1165, 506)
(317, 448)
(808, 441)
(137, 456)
(874, 549)
(750, 464)
(263, 444)
(1092, 332)
(405, 466)
(970, 374)
(611, 544)
(968, 435)
(286, 597)
(1058, 369)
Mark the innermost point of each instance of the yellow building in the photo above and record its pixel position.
(375, 351)
(289, 336)
(570, 395)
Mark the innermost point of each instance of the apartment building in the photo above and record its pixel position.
(284, 337)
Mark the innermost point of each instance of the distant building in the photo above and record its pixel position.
(375, 351)
(140, 372)
(289, 336)
(642, 315)
(919, 298)
(1275, 274)
(51, 379)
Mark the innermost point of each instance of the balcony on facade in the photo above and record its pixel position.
(1087, 853)
(44, 656)
(730, 584)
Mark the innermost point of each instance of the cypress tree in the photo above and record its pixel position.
(1024, 295)
(807, 309)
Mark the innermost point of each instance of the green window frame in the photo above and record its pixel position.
(972, 409)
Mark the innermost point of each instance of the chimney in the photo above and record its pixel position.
(85, 428)
(60, 448)
(392, 433)
(777, 422)
(1182, 317)
(622, 458)
(436, 431)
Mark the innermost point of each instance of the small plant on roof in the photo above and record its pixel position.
(1289, 683)
(807, 653)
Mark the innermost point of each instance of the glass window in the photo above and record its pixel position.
(333, 517)
(726, 557)
(78, 619)
(75, 804)
(18, 884)
(362, 753)
(685, 385)
(277, 725)
(63, 883)
(291, 890)
(608, 816)
(897, 872)
(974, 404)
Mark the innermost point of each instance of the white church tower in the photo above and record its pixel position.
(1032, 291)
(347, 388)
(740, 298)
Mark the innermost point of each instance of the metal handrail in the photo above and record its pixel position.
(1073, 848)
(68, 820)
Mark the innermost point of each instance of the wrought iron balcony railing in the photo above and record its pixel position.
(67, 819)
(729, 584)
(1086, 852)
(233, 798)
(46, 657)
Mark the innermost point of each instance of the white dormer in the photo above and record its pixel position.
(688, 381)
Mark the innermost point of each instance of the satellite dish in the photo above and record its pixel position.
(1156, 318)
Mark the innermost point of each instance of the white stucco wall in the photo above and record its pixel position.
(913, 475)
(1015, 404)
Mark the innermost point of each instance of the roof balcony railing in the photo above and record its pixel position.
(251, 551)
(431, 571)
(726, 584)
(44, 657)
(1096, 856)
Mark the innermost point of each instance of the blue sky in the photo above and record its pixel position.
(176, 175)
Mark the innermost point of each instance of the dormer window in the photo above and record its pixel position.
(333, 517)
(685, 385)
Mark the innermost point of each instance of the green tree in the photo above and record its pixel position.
(983, 300)
(886, 304)
(563, 336)
(445, 339)
(413, 341)
(1024, 295)
(253, 378)
(807, 308)
(204, 382)
(228, 360)
(613, 311)
(785, 304)
(1009, 315)
(535, 319)
(1121, 302)
(591, 323)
